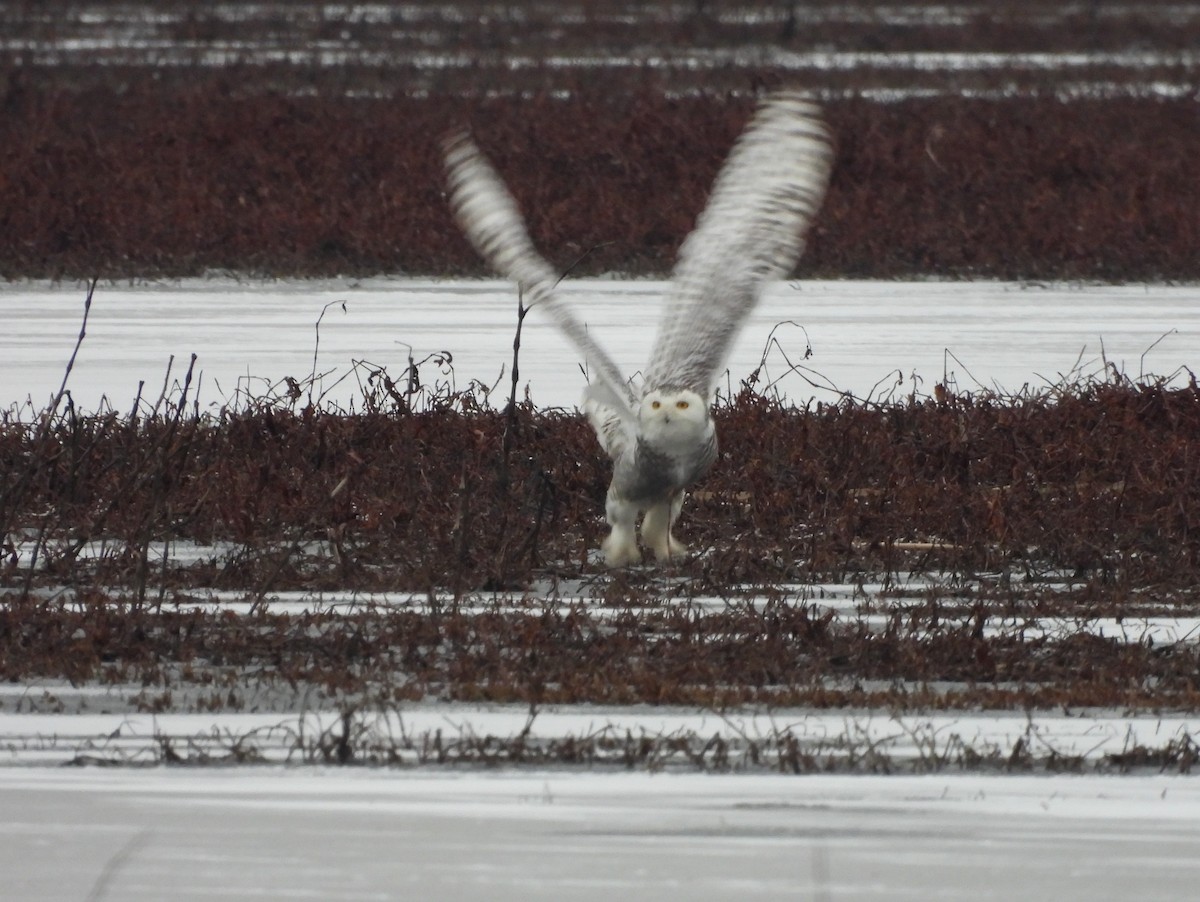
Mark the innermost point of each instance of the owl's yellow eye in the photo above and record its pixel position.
(656, 404)
(682, 405)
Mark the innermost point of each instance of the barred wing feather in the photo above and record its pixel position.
(751, 231)
(488, 215)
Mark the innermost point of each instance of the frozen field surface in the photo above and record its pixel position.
(373, 835)
(867, 338)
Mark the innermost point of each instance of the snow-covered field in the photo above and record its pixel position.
(99, 724)
(867, 338)
(288, 828)
(376, 835)
(280, 830)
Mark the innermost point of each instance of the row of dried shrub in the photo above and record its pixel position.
(785, 654)
(438, 495)
(149, 182)
(379, 738)
(1101, 479)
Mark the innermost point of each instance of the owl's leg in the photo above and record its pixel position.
(620, 548)
(656, 529)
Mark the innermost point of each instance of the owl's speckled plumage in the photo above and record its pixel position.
(661, 439)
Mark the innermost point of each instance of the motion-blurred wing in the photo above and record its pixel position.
(488, 216)
(752, 231)
(617, 434)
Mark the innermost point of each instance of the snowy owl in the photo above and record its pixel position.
(660, 436)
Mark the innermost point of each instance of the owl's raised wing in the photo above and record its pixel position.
(751, 231)
(489, 217)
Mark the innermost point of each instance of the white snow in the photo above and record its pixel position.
(367, 834)
(867, 338)
(900, 741)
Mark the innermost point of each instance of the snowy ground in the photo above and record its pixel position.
(375, 835)
(102, 725)
(867, 338)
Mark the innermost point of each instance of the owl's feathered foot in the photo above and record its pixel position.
(656, 530)
(621, 547)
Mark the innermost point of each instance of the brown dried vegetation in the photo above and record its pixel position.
(1073, 504)
(148, 182)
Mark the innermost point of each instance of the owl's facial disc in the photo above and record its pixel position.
(665, 409)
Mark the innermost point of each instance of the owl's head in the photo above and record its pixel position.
(672, 412)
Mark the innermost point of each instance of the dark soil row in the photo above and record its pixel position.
(148, 183)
